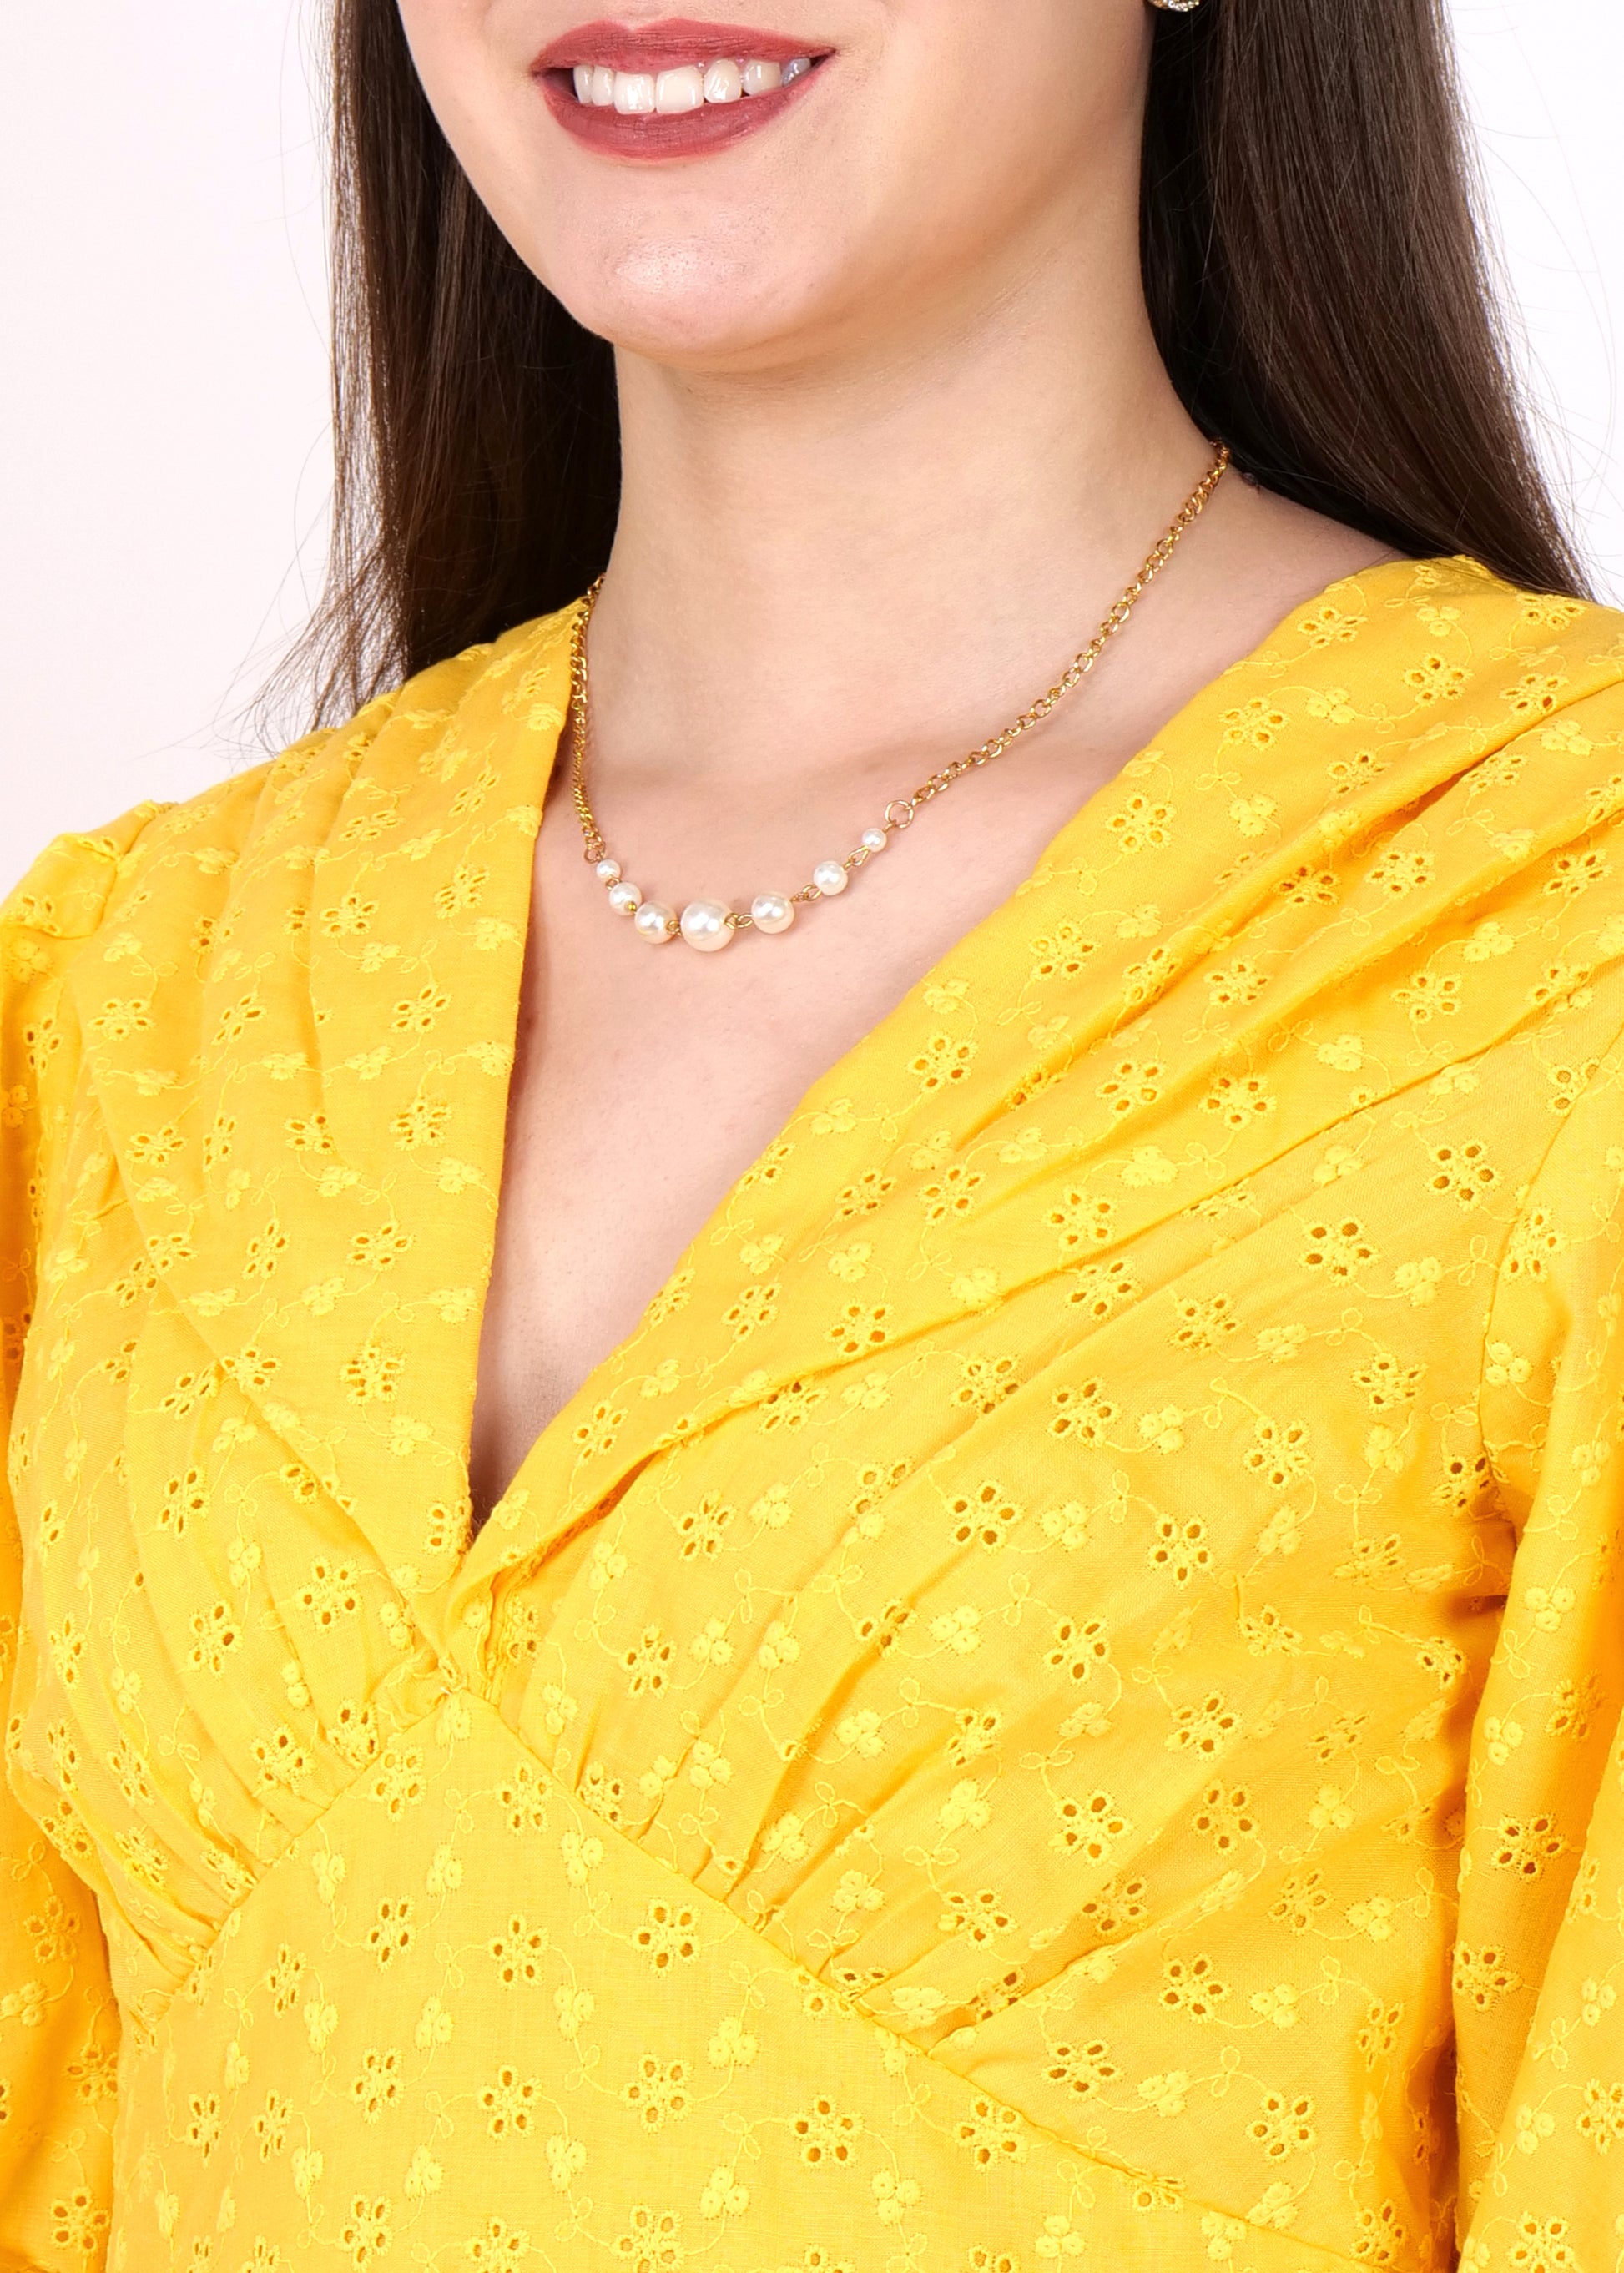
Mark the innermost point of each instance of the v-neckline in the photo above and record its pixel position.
(490, 1548)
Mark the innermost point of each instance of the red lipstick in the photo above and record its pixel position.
(666, 45)
(670, 44)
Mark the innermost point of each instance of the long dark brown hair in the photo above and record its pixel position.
(1314, 267)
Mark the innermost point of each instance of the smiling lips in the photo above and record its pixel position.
(673, 89)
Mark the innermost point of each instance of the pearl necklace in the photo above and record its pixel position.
(709, 925)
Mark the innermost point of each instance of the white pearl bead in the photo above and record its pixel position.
(655, 921)
(625, 899)
(705, 925)
(772, 912)
(875, 839)
(831, 876)
(607, 872)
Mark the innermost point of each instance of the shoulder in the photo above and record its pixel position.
(1532, 685)
(1459, 642)
(65, 893)
(1451, 700)
(277, 815)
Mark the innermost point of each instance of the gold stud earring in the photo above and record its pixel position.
(1177, 7)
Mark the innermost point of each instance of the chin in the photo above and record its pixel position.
(724, 299)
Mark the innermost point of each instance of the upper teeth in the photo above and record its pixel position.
(639, 93)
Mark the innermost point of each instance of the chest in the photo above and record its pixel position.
(646, 1081)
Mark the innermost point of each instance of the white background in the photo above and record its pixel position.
(164, 468)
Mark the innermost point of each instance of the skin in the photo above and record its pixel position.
(896, 435)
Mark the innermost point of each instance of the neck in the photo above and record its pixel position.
(948, 514)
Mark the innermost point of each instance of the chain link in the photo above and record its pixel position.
(595, 848)
(902, 812)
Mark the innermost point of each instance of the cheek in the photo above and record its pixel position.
(962, 151)
(446, 38)
(472, 60)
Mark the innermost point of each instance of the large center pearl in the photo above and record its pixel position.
(705, 925)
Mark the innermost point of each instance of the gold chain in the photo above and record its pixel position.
(902, 811)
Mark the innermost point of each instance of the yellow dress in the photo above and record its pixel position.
(1057, 1703)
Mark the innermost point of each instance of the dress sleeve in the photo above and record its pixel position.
(58, 2023)
(1539, 1954)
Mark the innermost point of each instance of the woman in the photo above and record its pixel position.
(1015, 1659)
